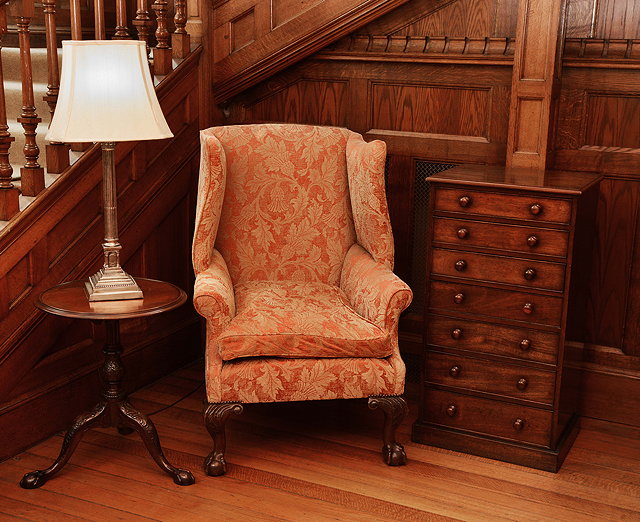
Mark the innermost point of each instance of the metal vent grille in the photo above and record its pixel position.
(412, 361)
(423, 170)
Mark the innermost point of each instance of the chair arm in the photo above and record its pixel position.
(213, 295)
(374, 291)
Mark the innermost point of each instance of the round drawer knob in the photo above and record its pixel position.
(525, 345)
(535, 209)
(461, 265)
(532, 241)
(462, 232)
(454, 371)
(518, 424)
(528, 308)
(452, 410)
(522, 383)
(458, 298)
(456, 333)
(530, 274)
(464, 201)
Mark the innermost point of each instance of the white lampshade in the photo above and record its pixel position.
(106, 94)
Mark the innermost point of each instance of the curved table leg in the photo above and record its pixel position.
(143, 425)
(82, 423)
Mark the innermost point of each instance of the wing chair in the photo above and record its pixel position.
(293, 255)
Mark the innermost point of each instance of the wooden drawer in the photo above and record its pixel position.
(519, 382)
(515, 238)
(486, 416)
(533, 207)
(523, 343)
(499, 269)
(494, 302)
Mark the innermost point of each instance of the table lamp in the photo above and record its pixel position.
(107, 95)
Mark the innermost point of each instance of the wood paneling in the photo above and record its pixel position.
(603, 19)
(612, 120)
(306, 101)
(47, 363)
(282, 32)
(421, 108)
(470, 18)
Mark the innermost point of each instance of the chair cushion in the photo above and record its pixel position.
(298, 320)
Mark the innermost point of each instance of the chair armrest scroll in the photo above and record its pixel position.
(213, 295)
(374, 291)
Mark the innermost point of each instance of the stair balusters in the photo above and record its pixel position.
(142, 22)
(180, 40)
(76, 20)
(162, 52)
(98, 10)
(9, 194)
(122, 31)
(57, 154)
(32, 174)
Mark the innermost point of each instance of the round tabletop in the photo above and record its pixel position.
(70, 300)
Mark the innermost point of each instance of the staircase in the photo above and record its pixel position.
(13, 97)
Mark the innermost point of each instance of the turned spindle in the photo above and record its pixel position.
(57, 154)
(162, 52)
(98, 17)
(122, 31)
(32, 174)
(180, 40)
(142, 22)
(9, 194)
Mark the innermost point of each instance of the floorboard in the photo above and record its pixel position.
(317, 461)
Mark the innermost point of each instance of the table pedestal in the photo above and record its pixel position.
(114, 410)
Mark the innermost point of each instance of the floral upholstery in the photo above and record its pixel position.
(293, 255)
(294, 319)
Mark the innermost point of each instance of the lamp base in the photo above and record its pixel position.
(112, 284)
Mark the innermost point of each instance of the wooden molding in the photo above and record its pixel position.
(422, 49)
(292, 41)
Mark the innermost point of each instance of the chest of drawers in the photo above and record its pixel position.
(507, 269)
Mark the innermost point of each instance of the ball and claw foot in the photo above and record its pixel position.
(183, 478)
(33, 480)
(215, 465)
(394, 455)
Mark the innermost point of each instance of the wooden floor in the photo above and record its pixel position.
(315, 462)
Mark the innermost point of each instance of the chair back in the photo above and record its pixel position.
(286, 213)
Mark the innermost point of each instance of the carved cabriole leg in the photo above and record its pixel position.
(98, 416)
(147, 431)
(395, 409)
(215, 417)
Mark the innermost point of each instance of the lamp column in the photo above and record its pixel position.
(111, 282)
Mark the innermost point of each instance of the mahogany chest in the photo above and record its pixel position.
(508, 259)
